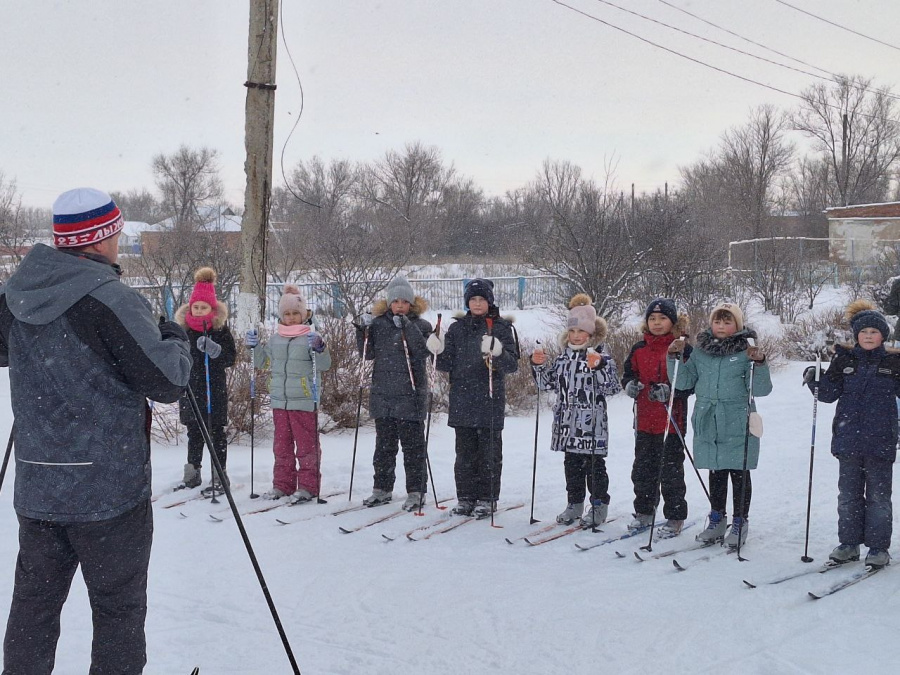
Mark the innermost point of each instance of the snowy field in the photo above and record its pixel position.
(468, 602)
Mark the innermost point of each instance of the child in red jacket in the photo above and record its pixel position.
(646, 380)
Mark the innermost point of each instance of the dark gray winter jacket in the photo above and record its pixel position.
(471, 404)
(392, 394)
(84, 353)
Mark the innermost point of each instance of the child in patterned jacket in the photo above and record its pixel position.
(583, 375)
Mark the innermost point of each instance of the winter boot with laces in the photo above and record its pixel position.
(378, 497)
(571, 514)
(845, 553)
(464, 507)
(484, 508)
(191, 477)
(716, 528)
(671, 528)
(641, 521)
(596, 514)
(414, 501)
(878, 558)
(740, 528)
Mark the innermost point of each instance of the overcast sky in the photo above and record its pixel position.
(90, 90)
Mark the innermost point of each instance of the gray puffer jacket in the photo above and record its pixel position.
(290, 363)
(84, 353)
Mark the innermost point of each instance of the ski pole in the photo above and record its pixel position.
(812, 455)
(744, 472)
(217, 468)
(490, 365)
(253, 494)
(431, 381)
(362, 373)
(412, 380)
(662, 457)
(209, 425)
(6, 455)
(315, 392)
(537, 420)
(689, 456)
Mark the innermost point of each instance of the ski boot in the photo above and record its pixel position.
(845, 553)
(877, 558)
(484, 508)
(215, 488)
(378, 497)
(191, 478)
(671, 528)
(301, 496)
(641, 522)
(464, 507)
(716, 528)
(274, 493)
(737, 535)
(414, 501)
(571, 514)
(595, 515)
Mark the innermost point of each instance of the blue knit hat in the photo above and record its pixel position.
(870, 318)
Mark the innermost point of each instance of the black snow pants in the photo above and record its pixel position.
(479, 458)
(648, 452)
(580, 479)
(114, 555)
(390, 434)
(197, 446)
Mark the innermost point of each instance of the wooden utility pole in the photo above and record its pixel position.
(259, 125)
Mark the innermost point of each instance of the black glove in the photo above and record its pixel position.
(401, 320)
(209, 346)
(810, 374)
(659, 392)
(171, 330)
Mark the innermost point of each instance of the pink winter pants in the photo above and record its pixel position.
(297, 456)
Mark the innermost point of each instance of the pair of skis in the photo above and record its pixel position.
(858, 576)
(381, 519)
(552, 532)
(447, 524)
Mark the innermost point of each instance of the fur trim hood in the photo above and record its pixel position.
(679, 329)
(733, 344)
(417, 309)
(219, 320)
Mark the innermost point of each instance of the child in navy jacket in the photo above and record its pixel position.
(864, 379)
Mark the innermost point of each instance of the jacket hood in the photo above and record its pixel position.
(733, 344)
(418, 307)
(220, 319)
(48, 282)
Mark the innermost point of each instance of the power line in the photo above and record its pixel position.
(708, 65)
(745, 39)
(734, 49)
(299, 113)
(837, 25)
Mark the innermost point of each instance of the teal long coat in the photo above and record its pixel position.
(719, 373)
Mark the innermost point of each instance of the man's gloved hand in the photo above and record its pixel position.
(171, 330)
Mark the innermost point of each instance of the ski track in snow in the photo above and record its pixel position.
(466, 601)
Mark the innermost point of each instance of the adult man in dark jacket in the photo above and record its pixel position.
(891, 304)
(84, 353)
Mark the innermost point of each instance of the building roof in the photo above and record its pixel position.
(883, 210)
(216, 219)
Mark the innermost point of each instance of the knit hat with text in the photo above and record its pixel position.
(85, 216)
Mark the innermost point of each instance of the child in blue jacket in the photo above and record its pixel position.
(864, 379)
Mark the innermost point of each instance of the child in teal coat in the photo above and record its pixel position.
(719, 373)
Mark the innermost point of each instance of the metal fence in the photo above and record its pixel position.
(520, 292)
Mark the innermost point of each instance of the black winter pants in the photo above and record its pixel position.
(648, 452)
(580, 479)
(479, 457)
(114, 555)
(196, 445)
(865, 515)
(390, 434)
(718, 491)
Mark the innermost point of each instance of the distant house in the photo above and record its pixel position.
(219, 220)
(130, 239)
(857, 233)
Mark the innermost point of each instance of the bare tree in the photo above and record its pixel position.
(14, 233)
(139, 205)
(855, 129)
(188, 181)
(576, 230)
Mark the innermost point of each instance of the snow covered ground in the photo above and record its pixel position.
(467, 602)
